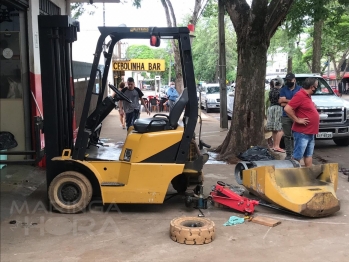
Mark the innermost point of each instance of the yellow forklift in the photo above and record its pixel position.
(159, 151)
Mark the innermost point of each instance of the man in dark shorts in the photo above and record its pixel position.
(131, 109)
(302, 110)
(286, 94)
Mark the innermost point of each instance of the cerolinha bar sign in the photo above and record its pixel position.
(139, 65)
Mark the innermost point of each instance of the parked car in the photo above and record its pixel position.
(230, 103)
(210, 96)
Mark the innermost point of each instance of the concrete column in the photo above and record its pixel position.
(34, 55)
(67, 8)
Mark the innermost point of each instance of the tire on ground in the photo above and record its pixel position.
(192, 230)
(76, 185)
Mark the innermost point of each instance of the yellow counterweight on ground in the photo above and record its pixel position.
(309, 191)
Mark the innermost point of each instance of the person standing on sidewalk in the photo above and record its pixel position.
(302, 110)
(172, 95)
(274, 114)
(131, 109)
(122, 117)
(286, 94)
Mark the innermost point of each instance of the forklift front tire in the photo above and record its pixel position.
(70, 192)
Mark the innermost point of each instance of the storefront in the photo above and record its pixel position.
(14, 82)
(20, 77)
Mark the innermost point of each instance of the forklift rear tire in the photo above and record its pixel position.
(70, 192)
(180, 183)
(192, 230)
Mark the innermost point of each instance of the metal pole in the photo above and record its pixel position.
(222, 67)
(199, 109)
(104, 25)
(169, 72)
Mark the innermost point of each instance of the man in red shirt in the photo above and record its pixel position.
(302, 111)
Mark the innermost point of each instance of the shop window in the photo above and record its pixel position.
(10, 58)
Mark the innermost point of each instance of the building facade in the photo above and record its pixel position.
(20, 76)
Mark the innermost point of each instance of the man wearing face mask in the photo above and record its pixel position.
(172, 95)
(286, 94)
(303, 112)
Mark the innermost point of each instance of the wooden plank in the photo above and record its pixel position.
(266, 221)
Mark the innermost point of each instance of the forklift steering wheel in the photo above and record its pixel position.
(120, 94)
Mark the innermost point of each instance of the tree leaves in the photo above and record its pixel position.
(145, 52)
(205, 50)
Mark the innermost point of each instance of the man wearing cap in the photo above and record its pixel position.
(286, 94)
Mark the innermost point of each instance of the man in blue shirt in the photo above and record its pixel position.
(286, 93)
(172, 95)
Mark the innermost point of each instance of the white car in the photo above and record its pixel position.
(210, 97)
(230, 103)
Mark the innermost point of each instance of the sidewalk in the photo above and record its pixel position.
(210, 132)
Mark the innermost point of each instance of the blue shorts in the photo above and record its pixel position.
(303, 145)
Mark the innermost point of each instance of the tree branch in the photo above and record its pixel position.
(168, 19)
(341, 61)
(238, 11)
(197, 8)
(276, 9)
(309, 65)
(336, 69)
(256, 19)
(201, 11)
(172, 13)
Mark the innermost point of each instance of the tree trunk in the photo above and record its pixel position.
(254, 24)
(247, 128)
(316, 63)
(289, 62)
(177, 67)
(172, 23)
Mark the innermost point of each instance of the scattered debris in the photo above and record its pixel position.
(266, 221)
(233, 220)
(320, 159)
(256, 153)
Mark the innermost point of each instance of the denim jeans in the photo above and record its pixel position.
(131, 117)
(303, 145)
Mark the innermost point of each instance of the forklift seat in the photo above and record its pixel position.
(161, 122)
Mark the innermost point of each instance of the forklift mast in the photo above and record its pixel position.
(56, 35)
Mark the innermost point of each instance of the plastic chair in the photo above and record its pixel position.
(163, 106)
(146, 102)
(153, 102)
